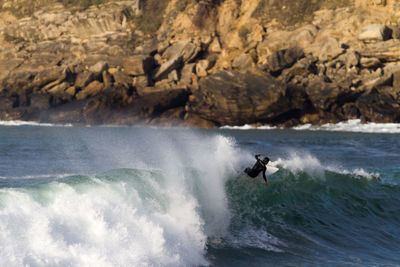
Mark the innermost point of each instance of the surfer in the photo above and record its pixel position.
(259, 166)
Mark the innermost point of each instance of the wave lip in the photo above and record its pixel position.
(307, 163)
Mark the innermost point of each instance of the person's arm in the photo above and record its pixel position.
(257, 156)
(265, 177)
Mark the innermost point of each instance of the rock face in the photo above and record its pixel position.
(210, 63)
(281, 59)
(375, 33)
(233, 98)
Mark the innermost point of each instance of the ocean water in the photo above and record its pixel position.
(141, 196)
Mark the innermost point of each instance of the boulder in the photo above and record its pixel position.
(107, 80)
(351, 59)
(8, 65)
(92, 89)
(388, 51)
(49, 75)
(163, 71)
(71, 91)
(201, 67)
(395, 32)
(324, 95)
(215, 46)
(301, 69)
(376, 107)
(149, 47)
(388, 90)
(396, 80)
(186, 73)
(232, 98)
(327, 49)
(391, 68)
(138, 65)
(243, 62)
(19, 82)
(99, 67)
(279, 40)
(84, 78)
(59, 89)
(370, 62)
(374, 33)
(173, 76)
(279, 60)
(185, 49)
(141, 81)
(122, 79)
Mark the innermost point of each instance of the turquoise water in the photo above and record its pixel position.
(129, 196)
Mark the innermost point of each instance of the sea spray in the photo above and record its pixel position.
(298, 162)
(162, 213)
(302, 162)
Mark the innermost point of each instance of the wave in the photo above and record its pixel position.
(124, 217)
(309, 211)
(346, 126)
(354, 126)
(307, 163)
(176, 196)
(143, 217)
(31, 123)
(162, 212)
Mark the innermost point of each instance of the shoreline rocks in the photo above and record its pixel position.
(94, 67)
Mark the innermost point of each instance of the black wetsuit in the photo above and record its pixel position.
(258, 167)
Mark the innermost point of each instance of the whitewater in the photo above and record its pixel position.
(138, 196)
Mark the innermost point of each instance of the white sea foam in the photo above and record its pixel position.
(354, 126)
(142, 221)
(346, 126)
(302, 162)
(31, 123)
(358, 172)
(249, 127)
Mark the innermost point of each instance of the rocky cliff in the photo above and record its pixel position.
(200, 63)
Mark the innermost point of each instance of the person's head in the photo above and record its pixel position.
(265, 160)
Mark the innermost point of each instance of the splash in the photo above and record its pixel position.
(160, 213)
(302, 162)
(305, 162)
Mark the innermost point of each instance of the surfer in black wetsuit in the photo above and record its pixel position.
(259, 166)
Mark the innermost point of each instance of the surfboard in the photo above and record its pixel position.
(271, 170)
